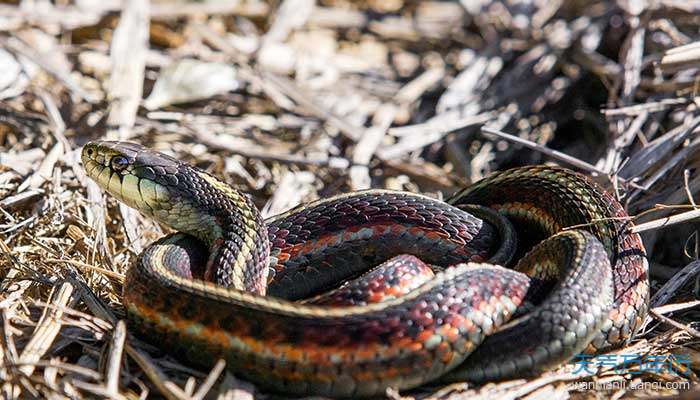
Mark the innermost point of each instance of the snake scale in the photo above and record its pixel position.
(231, 285)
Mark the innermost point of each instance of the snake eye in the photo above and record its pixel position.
(119, 163)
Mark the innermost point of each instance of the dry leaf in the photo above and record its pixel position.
(190, 80)
(12, 80)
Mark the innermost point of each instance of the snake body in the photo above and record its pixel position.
(231, 292)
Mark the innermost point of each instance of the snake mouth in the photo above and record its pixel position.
(97, 162)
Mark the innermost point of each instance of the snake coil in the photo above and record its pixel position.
(227, 285)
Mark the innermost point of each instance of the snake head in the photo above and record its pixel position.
(184, 198)
(171, 191)
(141, 178)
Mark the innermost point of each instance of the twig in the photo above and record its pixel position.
(651, 107)
(367, 145)
(210, 381)
(115, 358)
(167, 387)
(667, 221)
(686, 328)
(128, 55)
(114, 275)
(416, 137)
(666, 292)
(547, 151)
(48, 327)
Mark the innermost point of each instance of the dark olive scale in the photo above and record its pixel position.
(401, 342)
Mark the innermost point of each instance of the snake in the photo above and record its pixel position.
(352, 294)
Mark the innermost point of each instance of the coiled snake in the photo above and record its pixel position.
(231, 292)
